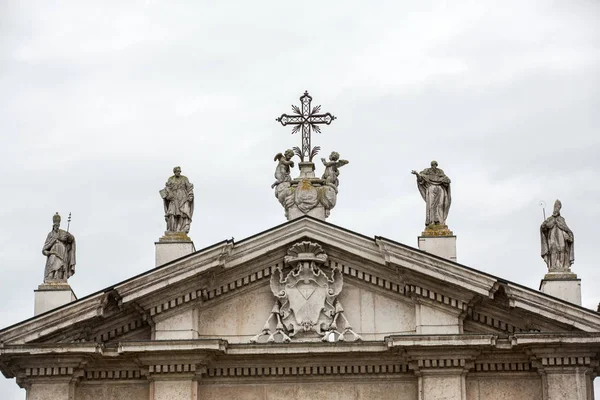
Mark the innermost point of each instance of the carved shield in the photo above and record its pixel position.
(306, 196)
(307, 301)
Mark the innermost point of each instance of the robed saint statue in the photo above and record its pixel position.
(434, 187)
(178, 199)
(557, 242)
(59, 249)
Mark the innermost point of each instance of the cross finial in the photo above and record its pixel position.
(307, 118)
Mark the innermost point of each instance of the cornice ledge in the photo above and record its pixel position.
(248, 249)
(306, 348)
(52, 321)
(167, 346)
(172, 274)
(43, 349)
(460, 340)
(560, 338)
(557, 310)
(446, 271)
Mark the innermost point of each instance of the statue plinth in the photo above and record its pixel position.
(437, 230)
(307, 169)
(175, 237)
(562, 284)
(439, 240)
(173, 245)
(51, 295)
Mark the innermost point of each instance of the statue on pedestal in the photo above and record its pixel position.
(59, 249)
(178, 198)
(557, 242)
(434, 187)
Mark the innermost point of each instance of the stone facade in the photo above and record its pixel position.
(429, 329)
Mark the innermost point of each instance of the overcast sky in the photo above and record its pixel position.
(100, 100)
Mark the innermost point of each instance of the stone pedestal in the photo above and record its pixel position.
(52, 295)
(307, 170)
(563, 285)
(438, 240)
(172, 246)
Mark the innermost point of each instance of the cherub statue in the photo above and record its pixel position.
(330, 176)
(282, 172)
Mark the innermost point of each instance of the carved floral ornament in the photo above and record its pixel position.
(306, 305)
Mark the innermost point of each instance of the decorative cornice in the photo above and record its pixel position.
(311, 370)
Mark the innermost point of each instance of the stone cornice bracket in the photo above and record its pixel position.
(494, 289)
(225, 254)
(110, 304)
(383, 250)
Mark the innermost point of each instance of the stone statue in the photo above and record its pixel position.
(178, 198)
(434, 187)
(59, 249)
(330, 176)
(557, 242)
(282, 171)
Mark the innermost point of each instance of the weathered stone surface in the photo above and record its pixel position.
(50, 391)
(50, 296)
(443, 246)
(505, 387)
(566, 288)
(169, 250)
(112, 391)
(175, 390)
(341, 390)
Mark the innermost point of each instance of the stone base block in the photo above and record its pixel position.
(169, 250)
(443, 246)
(51, 296)
(317, 212)
(565, 286)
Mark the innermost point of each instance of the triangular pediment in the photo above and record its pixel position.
(232, 278)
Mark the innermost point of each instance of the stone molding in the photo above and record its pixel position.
(500, 366)
(567, 361)
(49, 371)
(388, 368)
(114, 374)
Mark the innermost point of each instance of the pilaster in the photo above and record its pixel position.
(49, 383)
(175, 380)
(566, 376)
(442, 376)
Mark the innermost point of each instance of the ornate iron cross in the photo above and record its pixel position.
(308, 119)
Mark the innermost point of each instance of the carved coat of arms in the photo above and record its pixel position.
(306, 298)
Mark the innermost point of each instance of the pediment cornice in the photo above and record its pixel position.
(377, 261)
